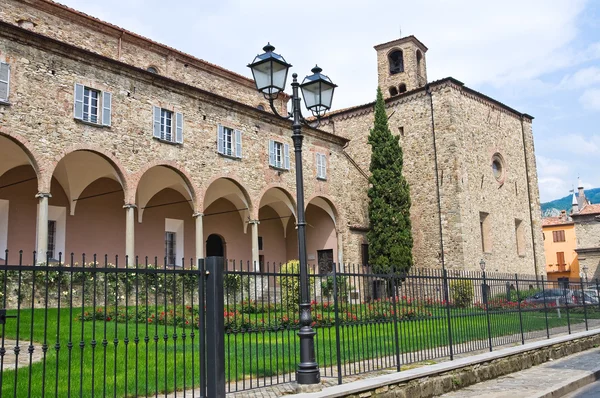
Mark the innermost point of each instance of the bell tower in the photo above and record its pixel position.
(401, 66)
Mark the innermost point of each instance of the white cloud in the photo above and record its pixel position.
(582, 78)
(590, 99)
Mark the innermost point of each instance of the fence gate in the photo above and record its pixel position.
(95, 328)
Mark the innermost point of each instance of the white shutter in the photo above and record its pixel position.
(271, 153)
(286, 156)
(4, 81)
(318, 156)
(106, 108)
(179, 128)
(220, 139)
(323, 166)
(238, 144)
(157, 122)
(78, 107)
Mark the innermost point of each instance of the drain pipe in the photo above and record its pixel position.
(437, 178)
(535, 265)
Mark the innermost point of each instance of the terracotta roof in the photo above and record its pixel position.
(589, 209)
(403, 40)
(424, 88)
(132, 34)
(551, 221)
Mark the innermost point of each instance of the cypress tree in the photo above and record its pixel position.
(390, 236)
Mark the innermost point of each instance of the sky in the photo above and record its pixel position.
(541, 57)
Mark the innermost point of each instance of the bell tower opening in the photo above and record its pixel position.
(401, 66)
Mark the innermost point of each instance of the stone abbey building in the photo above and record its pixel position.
(114, 144)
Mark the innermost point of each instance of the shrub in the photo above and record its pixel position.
(342, 288)
(290, 284)
(462, 293)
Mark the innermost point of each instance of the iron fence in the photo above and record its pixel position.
(93, 327)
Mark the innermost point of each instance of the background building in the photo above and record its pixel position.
(114, 144)
(586, 217)
(560, 243)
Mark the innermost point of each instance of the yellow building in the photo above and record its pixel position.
(562, 264)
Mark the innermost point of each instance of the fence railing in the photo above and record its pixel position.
(129, 328)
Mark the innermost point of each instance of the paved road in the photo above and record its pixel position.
(536, 380)
(589, 391)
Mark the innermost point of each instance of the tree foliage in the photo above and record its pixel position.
(390, 237)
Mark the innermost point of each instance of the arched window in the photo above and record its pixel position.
(393, 91)
(260, 107)
(402, 88)
(396, 60)
(152, 69)
(419, 58)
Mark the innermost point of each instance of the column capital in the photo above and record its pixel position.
(130, 206)
(254, 222)
(43, 195)
(198, 215)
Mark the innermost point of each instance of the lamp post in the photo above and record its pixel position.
(270, 73)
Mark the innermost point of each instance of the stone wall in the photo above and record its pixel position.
(587, 231)
(40, 118)
(83, 31)
(469, 130)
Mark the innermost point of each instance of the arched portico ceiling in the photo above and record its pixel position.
(225, 188)
(280, 201)
(12, 155)
(326, 205)
(77, 170)
(155, 180)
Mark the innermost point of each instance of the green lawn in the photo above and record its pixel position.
(158, 365)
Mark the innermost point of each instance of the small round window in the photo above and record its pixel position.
(498, 167)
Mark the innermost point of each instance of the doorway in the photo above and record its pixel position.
(215, 247)
(325, 260)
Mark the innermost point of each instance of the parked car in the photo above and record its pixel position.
(552, 295)
(591, 296)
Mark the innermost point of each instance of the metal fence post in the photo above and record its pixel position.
(519, 305)
(395, 318)
(215, 338)
(448, 314)
(338, 350)
(202, 325)
(545, 307)
(598, 292)
(487, 311)
(585, 317)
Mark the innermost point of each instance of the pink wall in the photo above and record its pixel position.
(320, 235)
(238, 246)
(150, 234)
(98, 226)
(274, 243)
(22, 213)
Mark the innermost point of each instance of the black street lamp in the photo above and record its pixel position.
(270, 72)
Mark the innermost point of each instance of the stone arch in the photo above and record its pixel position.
(30, 156)
(395, 61)
(231, 190)
(159, 175)
(326, 204)
(419, 60)
(393, 91)
(281, 201)
(402, 88)
(74, 172)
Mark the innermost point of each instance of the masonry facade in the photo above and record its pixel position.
(113, 144)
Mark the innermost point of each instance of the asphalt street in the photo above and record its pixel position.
(589, 391)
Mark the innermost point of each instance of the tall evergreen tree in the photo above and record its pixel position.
(390, 236)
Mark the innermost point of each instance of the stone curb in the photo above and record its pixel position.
(574, 383)
(367, 385)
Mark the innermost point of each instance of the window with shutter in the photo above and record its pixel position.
(4, 81)
(286, 156)
(92, 106)
(321, 166)
(558, 236)
(271, 153)
(167, 125)
(238, 144)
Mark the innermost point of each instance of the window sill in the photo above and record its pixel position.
(5, 103)
(521, 255)
(167, 142)
(278, 168)
(91, 123)
(229, 156)
(322, 178)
